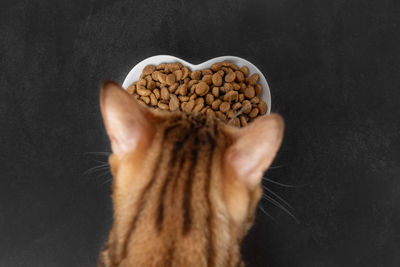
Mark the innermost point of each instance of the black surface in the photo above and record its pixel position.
(334, 72)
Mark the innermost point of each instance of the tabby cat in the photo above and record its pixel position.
(186, 186)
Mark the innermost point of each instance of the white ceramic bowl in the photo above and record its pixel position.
(134, 74)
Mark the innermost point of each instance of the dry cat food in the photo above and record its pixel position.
(224, 91)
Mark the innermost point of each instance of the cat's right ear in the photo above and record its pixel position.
(254, 147)
(128, 124)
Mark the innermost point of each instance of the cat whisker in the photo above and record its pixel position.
(237, 114)
(277, 204)
(278, 197)
(281, 184)
(267, 214)
(106, 181)
(275, 167)
(99, 161)
(98, 153)
(97, 168)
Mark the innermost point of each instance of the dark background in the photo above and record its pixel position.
(334, 72)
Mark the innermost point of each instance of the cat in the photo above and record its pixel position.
(185, 186)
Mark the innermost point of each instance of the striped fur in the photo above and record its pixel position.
(169, 201)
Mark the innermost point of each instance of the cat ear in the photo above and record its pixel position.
(254, 148)
(128, 124)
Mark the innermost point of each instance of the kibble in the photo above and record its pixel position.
(202, 88)
(224, 91)
(217, 79)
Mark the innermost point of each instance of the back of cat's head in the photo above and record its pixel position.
(185, 186)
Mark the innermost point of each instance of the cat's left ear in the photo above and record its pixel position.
(254, 148)
(128, 124)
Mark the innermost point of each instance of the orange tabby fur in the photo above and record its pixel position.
(185, 186)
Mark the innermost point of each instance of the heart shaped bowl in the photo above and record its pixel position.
(134, 74)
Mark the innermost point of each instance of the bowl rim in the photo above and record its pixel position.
(134, 73)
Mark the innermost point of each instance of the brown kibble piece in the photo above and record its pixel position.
(220, 115)
(253, 113)
(230, 77)
(243, 86)
(183, 106)
(195, 75)
(157, 93)
(189, 106)
(239, 76)
(230, 65)
(249, 92)
(173, 87)
(255, 100)
(215, 105)
(199, 100)
(182, 89)
(183, 98)
(170, 79)
(154, 75)
(258, 89)
(241, 97)
(161, 66)
(224, 107)
(243, 120)
(236, 86)
(202, 88)
(221, 73)
(151, 85)
(153, 100)
(192, 82)
(207, 79)
(215, 91)
(217, 79)
(206, 72)
(164, 93)
(193, 97)
(162, 78)
(131, 89)
(149, 69)
(228, 87)
(216, 66)
(262, 107)
(143, 91)
(245, 71)
(246, 106)
(236, 122)
(148, 79)
(142, 82)
(171, 67)
(198, 107)
(209, 99)
(231, 96)
(230, 114)
(236, 106)
(210, 112)
(145, 99)
(174, 103)
(253, 79)
(186, 72)
(163, 106)
(178, 75)
(142, 102)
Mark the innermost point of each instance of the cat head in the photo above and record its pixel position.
(184, 184)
